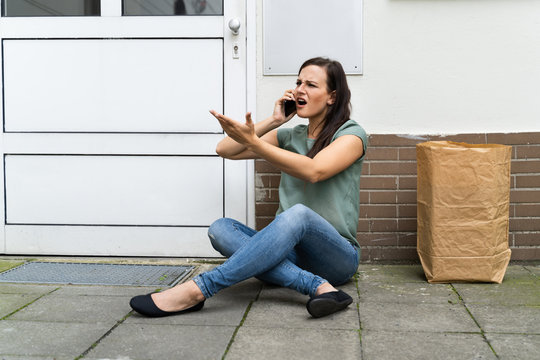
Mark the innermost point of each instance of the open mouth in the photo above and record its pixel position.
(301, 102)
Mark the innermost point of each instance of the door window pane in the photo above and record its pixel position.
(173, 7)
(51, 8)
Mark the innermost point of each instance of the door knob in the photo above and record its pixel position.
(234, 25)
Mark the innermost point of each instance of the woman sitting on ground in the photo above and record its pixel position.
(311, 244)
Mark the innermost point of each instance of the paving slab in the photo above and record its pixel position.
(33, 338)
(274, 343)
(76, 309)
(99, 290)
(526, 293)
(515, 347)
(145, 341)
(286, 308)
(225, 308)
(417, 293)
(11, 288)
(511, 319)
(11, 302)
(416, 317)
(535, 269)
(393, 273)
(385, 345)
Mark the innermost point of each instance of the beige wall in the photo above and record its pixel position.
(439, 67)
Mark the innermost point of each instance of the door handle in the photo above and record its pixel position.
(234, 25)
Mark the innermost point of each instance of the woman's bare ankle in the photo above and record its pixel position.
(324, 288)
(180, 297)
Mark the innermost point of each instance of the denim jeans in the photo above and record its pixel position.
(299, 250)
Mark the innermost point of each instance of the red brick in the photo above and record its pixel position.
(407, 239)
(377, 225)
(363, 225)
(514, 138)
(262, 166)
(527, 181)
(378, 211)
(267, 180)
(407, 211)
(407, 225)
(525, 196)
(377, 239)
(407, 153)
(382, 197)
(378, 182)
(527, 151)
(406, 197)
(532, 224)
(364, 197)
(266, 195)
(382, 153)
(407, 182)
(392, 168)
(266, 209)
(527, 239)
(525, 166)
(388, 254)
(262, 222)
(526, 210)
(525, 253)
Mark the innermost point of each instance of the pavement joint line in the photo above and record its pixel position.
(30, 303)
(356, 279)
(241, 323)
(93, 346)
(475, 321)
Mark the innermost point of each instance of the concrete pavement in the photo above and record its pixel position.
(396, 315)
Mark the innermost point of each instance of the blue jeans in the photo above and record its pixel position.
(299, 250)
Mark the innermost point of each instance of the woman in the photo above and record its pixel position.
(311, 244)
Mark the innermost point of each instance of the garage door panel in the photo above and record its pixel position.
(113, 190)
(113, 85)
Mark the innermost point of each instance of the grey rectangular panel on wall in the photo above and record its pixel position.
(296, 30)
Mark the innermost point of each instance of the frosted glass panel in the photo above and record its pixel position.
(173, 7)
(51, 8)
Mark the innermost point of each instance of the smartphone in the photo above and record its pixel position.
(290, 107)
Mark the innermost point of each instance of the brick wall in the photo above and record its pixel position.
(387, 224)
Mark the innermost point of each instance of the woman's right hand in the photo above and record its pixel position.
(279, 108)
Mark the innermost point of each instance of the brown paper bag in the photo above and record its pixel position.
(463, 211)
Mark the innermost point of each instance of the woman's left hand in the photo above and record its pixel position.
(241, 133)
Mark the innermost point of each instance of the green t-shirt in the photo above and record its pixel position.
(336, 199)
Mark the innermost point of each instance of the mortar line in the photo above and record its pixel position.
(30, 303)
(241, 323)
(475, 321)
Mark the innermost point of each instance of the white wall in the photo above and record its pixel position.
(439, 67)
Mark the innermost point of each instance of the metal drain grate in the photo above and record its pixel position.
(96, 274)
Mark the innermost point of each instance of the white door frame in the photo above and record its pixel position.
(239, 200)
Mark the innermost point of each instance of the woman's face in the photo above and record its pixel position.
(312, 96)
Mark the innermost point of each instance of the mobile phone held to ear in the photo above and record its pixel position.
(290, 107)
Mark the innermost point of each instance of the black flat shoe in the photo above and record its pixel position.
(328, 303)
(144, 305)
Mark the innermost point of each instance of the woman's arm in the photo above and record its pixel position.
(334, 158)
(230, 149)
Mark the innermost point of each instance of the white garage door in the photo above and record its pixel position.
(107, 143)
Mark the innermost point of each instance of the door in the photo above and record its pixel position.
(107, 143)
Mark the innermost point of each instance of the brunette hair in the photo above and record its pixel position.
(338, 113)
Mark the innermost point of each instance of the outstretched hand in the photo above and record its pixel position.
(241, 133)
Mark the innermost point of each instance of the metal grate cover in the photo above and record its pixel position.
(96, 274)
